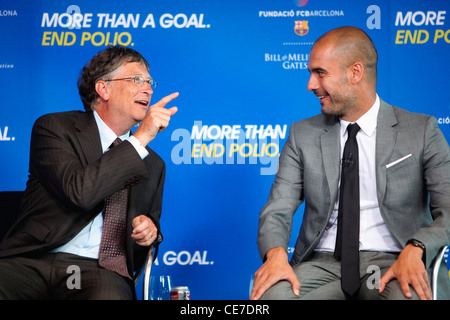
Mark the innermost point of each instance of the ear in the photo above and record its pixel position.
(356, 71)
(102, 89)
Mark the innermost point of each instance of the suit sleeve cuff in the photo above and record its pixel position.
(140, 149)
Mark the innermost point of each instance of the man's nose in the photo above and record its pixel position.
(147, 88)
(313, 84)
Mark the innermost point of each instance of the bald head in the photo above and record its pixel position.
(343, 67)
(350, 45)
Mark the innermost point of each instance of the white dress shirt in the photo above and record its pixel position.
(374, 234)
(87, 242)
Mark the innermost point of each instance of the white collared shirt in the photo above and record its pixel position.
(87, 242)
(374, 234)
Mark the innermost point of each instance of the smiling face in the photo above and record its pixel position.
(330, 82)
(124, 103)
(343, 65)
(128, 98)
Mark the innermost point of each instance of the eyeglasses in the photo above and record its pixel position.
(137, 80)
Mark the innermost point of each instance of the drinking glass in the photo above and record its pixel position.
(160, 287)
(252, 279)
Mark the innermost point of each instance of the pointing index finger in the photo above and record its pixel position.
(162, 103)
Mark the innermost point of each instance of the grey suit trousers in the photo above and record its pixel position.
(320, 279)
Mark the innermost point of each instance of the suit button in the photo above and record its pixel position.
(318, 233)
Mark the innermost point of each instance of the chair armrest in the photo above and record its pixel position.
(147, 272)
(436, 266)
(147, 263)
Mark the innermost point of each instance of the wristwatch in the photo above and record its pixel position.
(419, 244)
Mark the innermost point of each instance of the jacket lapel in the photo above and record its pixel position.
(385, 142)
(88, 136)
(330, 145)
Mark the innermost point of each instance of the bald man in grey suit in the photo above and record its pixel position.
(404, 169)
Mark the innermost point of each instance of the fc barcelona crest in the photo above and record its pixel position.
(301, 27)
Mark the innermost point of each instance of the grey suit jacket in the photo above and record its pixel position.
(69, 179)
(414, 194)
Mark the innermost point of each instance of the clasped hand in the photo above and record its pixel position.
(144, 231)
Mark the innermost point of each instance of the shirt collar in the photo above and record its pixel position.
(107, 136)
(368, 122)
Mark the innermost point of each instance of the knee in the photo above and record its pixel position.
(393, 291)
(279, 291)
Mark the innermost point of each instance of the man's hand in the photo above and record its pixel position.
(275, 268)
(409, 270)
(156, 120)
(144, 231)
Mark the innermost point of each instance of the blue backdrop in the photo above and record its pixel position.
(241, 70)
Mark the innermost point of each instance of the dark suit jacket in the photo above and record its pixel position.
(69, 178)
(412, 178)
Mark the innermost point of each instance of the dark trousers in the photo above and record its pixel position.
(61, 276)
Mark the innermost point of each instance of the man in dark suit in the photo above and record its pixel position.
(403, 213)
(73, 169)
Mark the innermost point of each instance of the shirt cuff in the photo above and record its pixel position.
(140, 149)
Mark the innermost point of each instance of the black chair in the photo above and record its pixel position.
(9, 209)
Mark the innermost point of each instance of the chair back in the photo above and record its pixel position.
(9, 209)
